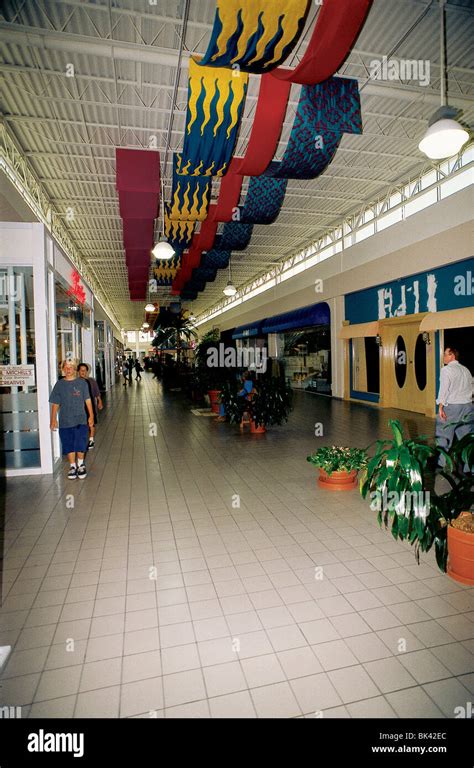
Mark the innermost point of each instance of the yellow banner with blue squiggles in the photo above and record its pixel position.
(216, 98)
(255, 35)
(165, 271)
(189, 195)
(179, 233)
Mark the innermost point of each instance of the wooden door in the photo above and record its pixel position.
(408, 367)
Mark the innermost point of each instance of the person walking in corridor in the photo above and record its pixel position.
(97, 404)
(454, 403)
(70, 397)
(138, 370)
(131, 366)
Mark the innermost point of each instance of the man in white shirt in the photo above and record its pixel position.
(454, 402)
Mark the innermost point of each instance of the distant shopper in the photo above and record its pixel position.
(131, 366)
(138, 370)
(454, 402)
(70, 397)
(125, 372)
(97, 404)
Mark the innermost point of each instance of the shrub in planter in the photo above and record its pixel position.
(338, 466)
(270, 403)
(400, 484)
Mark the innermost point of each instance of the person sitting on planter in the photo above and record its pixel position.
(247, 389)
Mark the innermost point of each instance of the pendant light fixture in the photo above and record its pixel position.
(445, 136)
(230, 289)
(150, 307)
(163, 251)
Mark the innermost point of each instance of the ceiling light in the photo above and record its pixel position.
(163, 250)
(230, 289)
(445, 136)
(145, 325)
(150, 307)
(192, 317)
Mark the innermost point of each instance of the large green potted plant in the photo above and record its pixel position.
(270, 403)
(209, 379)
(401, 479)
(338, 466)
(175, 331)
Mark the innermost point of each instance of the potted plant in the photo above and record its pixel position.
(338, 466)
(455, 542)
(401, 482)
(269, 404)
(209, 379)
(174, 332)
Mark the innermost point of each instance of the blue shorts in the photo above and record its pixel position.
(74, 439)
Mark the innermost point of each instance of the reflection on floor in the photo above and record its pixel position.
(199, 572)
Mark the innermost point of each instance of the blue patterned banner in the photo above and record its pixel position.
(235, 236)
(255, 35)
(164, 272)
(189, 195)
(216, 99)
(179, 233)
(216, 259)
(264, 200)
(325, 111)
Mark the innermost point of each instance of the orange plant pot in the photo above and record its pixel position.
(461, 556)
(214, 398)
(257, 430)
(337, 481)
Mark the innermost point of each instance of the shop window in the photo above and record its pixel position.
(19, 432)
(307, 358)
(400, 361)
(420, 362)
(461, 339)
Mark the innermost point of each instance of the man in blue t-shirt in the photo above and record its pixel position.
(71, 397)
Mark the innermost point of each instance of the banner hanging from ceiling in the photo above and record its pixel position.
(189, 195)
(255, 35)
(216, 99)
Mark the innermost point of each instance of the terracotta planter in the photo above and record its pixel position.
(461, 554)
(214, 398)
(337, 481)
(257, 430)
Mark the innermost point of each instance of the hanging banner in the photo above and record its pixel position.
(179, 233)
(325, 111)
(255, 35)
(189, 195)
(264, 200)
(337, 27)
(216, 99)
(235, 236)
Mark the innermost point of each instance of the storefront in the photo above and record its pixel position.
(395, 336)
(299, 340)
(46, 316)
(108, 349)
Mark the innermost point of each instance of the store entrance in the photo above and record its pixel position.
(408, 367)
(461, 339)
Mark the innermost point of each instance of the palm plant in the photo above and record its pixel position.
(174, 331)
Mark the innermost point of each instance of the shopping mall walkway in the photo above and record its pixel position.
(146, 590)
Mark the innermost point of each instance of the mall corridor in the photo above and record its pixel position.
(199, 572)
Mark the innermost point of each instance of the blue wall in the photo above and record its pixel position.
(439, 289)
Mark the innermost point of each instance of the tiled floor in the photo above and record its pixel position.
(199, 572)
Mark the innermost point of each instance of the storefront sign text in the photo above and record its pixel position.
(17, 375)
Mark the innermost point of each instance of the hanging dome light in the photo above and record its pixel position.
(150, 307)
(163, 250)
(230, 289)
(145, 325)
(192, 317)
(444, 137)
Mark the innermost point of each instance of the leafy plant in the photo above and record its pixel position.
(401, 485)
(205, 376)
(270, 403)
(336, 459)
(175, 332)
